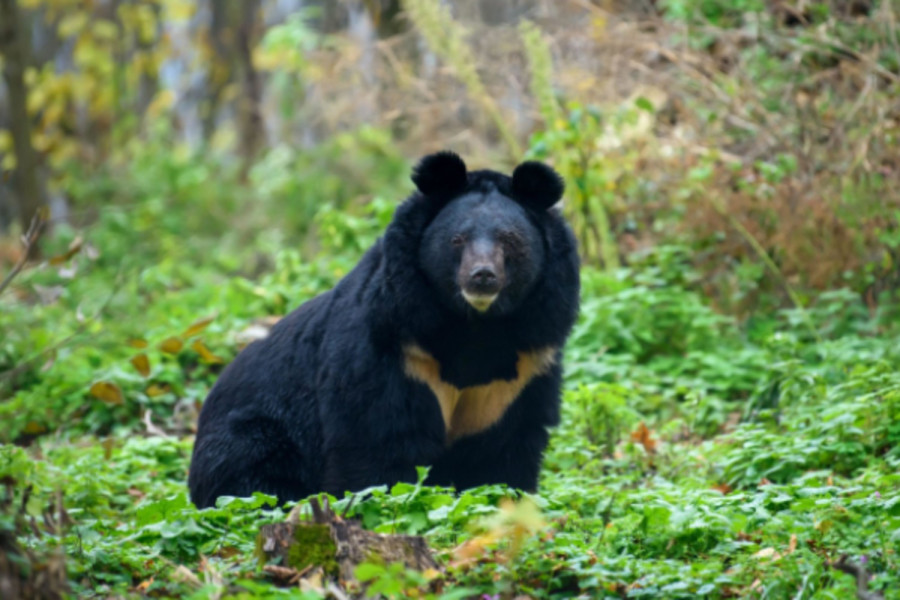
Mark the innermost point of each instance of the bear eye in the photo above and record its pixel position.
(457, 240)
(511, 239)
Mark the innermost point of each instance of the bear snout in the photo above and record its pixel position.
(483, 280)
(481, 274)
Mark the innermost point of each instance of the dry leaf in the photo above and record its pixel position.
(34, 428)
(197, 327)
(644, 437)
(108, 444)
(138, 343)
(769, 553)
(155, 389)
(74, 247)
(313, 582)
(472, 549)
(205, 354)
(142, 364)
(108, 392)
(172, 345)
(142, 586)
(184, 575)
(792, 545)
(136, 493)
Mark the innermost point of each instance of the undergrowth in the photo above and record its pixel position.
(731, 423)
(699, 455)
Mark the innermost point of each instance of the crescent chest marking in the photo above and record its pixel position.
(470, 410)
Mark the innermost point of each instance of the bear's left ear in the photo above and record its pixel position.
(440, 176)
(536, 185)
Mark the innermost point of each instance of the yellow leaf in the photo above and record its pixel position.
(105, 30)
(108, 392)
(146, 24)
(172, 345)
(205, 354)
(138, 343)
(180, 10)
(197, 327)
(142, 364)
(154, 390)
(6, 141)
(72, 24)
(8, 163)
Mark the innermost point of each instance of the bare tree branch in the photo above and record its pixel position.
(28, 240)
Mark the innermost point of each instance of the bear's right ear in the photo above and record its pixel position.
(441, 175)
(536, 185)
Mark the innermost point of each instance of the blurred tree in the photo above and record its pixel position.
(250, 119)
(386, 17)
(234, 31)
(14, 53)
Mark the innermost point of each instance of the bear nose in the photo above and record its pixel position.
(484, 280)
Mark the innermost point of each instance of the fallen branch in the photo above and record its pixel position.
(844, 565)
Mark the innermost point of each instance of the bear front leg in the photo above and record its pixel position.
(382, 443)
(511, 451)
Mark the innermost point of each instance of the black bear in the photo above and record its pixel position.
(442, 347)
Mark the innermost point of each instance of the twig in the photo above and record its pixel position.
(862, 576)
(152, 429)
(346, 510)
(28, 240)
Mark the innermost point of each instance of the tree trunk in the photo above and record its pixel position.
(14, 52)
(221, 69)
(250, 122)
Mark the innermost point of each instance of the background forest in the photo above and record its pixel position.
(176, 175)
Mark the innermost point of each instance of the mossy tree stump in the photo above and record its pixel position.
(338, 545)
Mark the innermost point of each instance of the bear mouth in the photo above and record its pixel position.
(480, 302)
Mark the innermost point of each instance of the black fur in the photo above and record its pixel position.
(324, 404)
(441, 175)
(536, 185)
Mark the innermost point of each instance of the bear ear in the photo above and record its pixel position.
(536, 185)
(441, 175)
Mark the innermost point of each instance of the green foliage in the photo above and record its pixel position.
(719, 12)
(592, 180)
(691, 459)
(699, 454)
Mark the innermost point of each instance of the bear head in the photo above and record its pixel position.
(485, 247)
